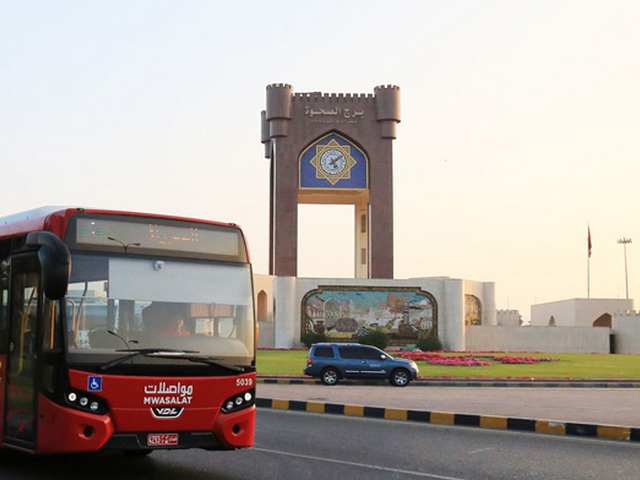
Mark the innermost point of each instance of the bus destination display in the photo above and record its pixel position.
(133, 236)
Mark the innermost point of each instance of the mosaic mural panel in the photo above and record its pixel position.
(345, 313)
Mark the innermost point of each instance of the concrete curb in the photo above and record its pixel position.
(605, 432)
(458, 383)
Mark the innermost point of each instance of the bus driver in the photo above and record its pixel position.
(165, 319)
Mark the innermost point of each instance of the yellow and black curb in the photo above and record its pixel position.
(607, 432)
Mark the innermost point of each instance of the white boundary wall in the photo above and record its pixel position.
(508, 318)
(538, 339)
(577, 312)
(626, 328)
(448, 292)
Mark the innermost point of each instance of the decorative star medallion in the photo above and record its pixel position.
(333, 162)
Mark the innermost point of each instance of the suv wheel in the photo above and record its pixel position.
(329, 376)
(400, 377)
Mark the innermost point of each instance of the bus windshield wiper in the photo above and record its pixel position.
(216, 362)
(135, 352)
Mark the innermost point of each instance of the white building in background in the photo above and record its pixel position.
(626, 330)
(508, 318)
(579, 312)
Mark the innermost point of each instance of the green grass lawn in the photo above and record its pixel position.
(568, 365)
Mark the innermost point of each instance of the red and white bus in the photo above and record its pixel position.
(124, 331)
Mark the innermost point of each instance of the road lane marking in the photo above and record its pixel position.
(478, 450)
(356, 464)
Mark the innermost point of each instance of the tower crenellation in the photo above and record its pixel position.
(278, 111)
(338, 97)
(388, 109)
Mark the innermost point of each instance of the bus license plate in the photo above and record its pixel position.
(162, 440)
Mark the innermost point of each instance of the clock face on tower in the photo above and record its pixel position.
(333, 161)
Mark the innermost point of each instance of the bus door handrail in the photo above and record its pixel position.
(23, 330)
(81, 315)
(74, 317)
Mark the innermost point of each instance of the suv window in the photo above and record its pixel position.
(349, 352)
(366, 353)
(369, 353)
(326, 352)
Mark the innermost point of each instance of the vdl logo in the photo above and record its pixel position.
(167, 412)
(94, 383)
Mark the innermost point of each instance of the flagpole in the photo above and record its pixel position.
(588, 262)
(588, 276)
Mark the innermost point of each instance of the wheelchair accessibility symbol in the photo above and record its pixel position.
(94, 384)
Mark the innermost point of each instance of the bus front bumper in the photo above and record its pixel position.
(66, 430)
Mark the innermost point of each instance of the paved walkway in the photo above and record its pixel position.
(604, 406)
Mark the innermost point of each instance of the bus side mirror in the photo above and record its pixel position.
(55, 262)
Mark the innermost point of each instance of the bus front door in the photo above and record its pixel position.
(20, 399)
(4, 337)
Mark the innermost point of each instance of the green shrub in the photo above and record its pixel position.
(377, 338)
(429, 344)
(310, 338)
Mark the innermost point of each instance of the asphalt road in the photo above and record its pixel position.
(586, 405)
(292, 445)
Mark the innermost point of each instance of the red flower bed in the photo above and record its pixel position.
(509, 360)
(436, 358)
(424, 356)
(458, 362)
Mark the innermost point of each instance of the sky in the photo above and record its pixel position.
(519, 125)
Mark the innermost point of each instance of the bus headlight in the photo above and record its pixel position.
(85, 402)
(238, 402)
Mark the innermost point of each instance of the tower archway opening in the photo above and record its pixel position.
(603, 320)
(325, 234)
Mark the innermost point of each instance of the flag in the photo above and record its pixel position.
(589, 241)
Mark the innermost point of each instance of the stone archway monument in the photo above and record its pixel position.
(332, 149)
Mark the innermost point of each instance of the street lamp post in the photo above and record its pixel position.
(624, 242)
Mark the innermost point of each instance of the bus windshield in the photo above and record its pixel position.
(116, 303)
